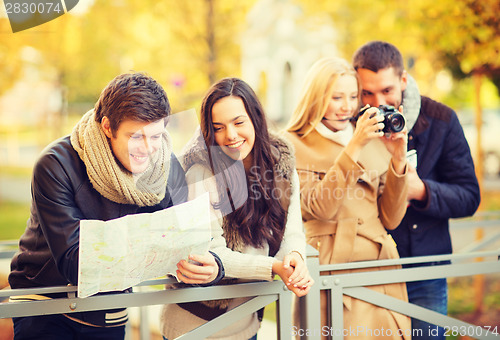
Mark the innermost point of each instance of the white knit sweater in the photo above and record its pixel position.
(249, 263)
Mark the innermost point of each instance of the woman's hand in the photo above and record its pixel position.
(396, 144)
(203, 270)
(294, 273)
(369, 126)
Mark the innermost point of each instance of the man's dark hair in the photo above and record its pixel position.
(378, 55)
(134, 96)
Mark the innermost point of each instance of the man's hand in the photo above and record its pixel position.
(416, 188)
(202, 269)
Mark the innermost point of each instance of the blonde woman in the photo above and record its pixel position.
(353, 186)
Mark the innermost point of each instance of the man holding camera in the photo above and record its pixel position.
(441, 186)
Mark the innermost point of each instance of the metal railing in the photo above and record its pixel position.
(264, 293)
(354, 285)
(8, 249)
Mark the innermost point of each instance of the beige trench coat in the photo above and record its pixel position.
(346, 207)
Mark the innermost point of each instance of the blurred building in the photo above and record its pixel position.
(278, 47)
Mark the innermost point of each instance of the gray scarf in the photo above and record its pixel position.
(411, 102)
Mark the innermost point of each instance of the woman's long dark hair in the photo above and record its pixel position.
(258, 216)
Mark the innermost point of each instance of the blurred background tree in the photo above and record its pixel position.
(471, 44)
(187, 45)
(181, 43)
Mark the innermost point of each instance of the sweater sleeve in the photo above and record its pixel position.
(294, 238)
(252, 266)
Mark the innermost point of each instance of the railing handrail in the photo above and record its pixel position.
(121, 300)
(5, 293)
(355, 285)
(409, 260)
(261, 294)
(348, 283)
(311, 252)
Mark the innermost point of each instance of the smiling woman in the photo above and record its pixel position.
(254, 190)
(234, 130)
(343, 104)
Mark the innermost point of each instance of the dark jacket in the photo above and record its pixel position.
(62, 195)
(445, 165)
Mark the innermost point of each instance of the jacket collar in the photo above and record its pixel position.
(421, 125)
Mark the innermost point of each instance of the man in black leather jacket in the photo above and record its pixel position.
(116, 162)
(441, 183)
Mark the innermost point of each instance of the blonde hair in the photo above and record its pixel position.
(317, 92)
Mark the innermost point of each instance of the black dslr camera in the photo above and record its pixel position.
(393, 120)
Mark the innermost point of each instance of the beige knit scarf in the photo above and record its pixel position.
(109, 178)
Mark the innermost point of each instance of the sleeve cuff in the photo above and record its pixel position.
(405, 171)
(298, 252)
(220, 275)
(423, 205)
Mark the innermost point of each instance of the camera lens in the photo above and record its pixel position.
(394, 122)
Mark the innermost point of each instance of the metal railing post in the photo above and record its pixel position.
(284, 315)
(337, 309)
(308, 306)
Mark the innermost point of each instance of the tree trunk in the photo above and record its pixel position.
(211, 42)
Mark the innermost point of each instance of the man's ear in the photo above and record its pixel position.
(404, 80)
(106, 127)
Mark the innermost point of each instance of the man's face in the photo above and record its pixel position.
(135, 143)
(384, 87)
